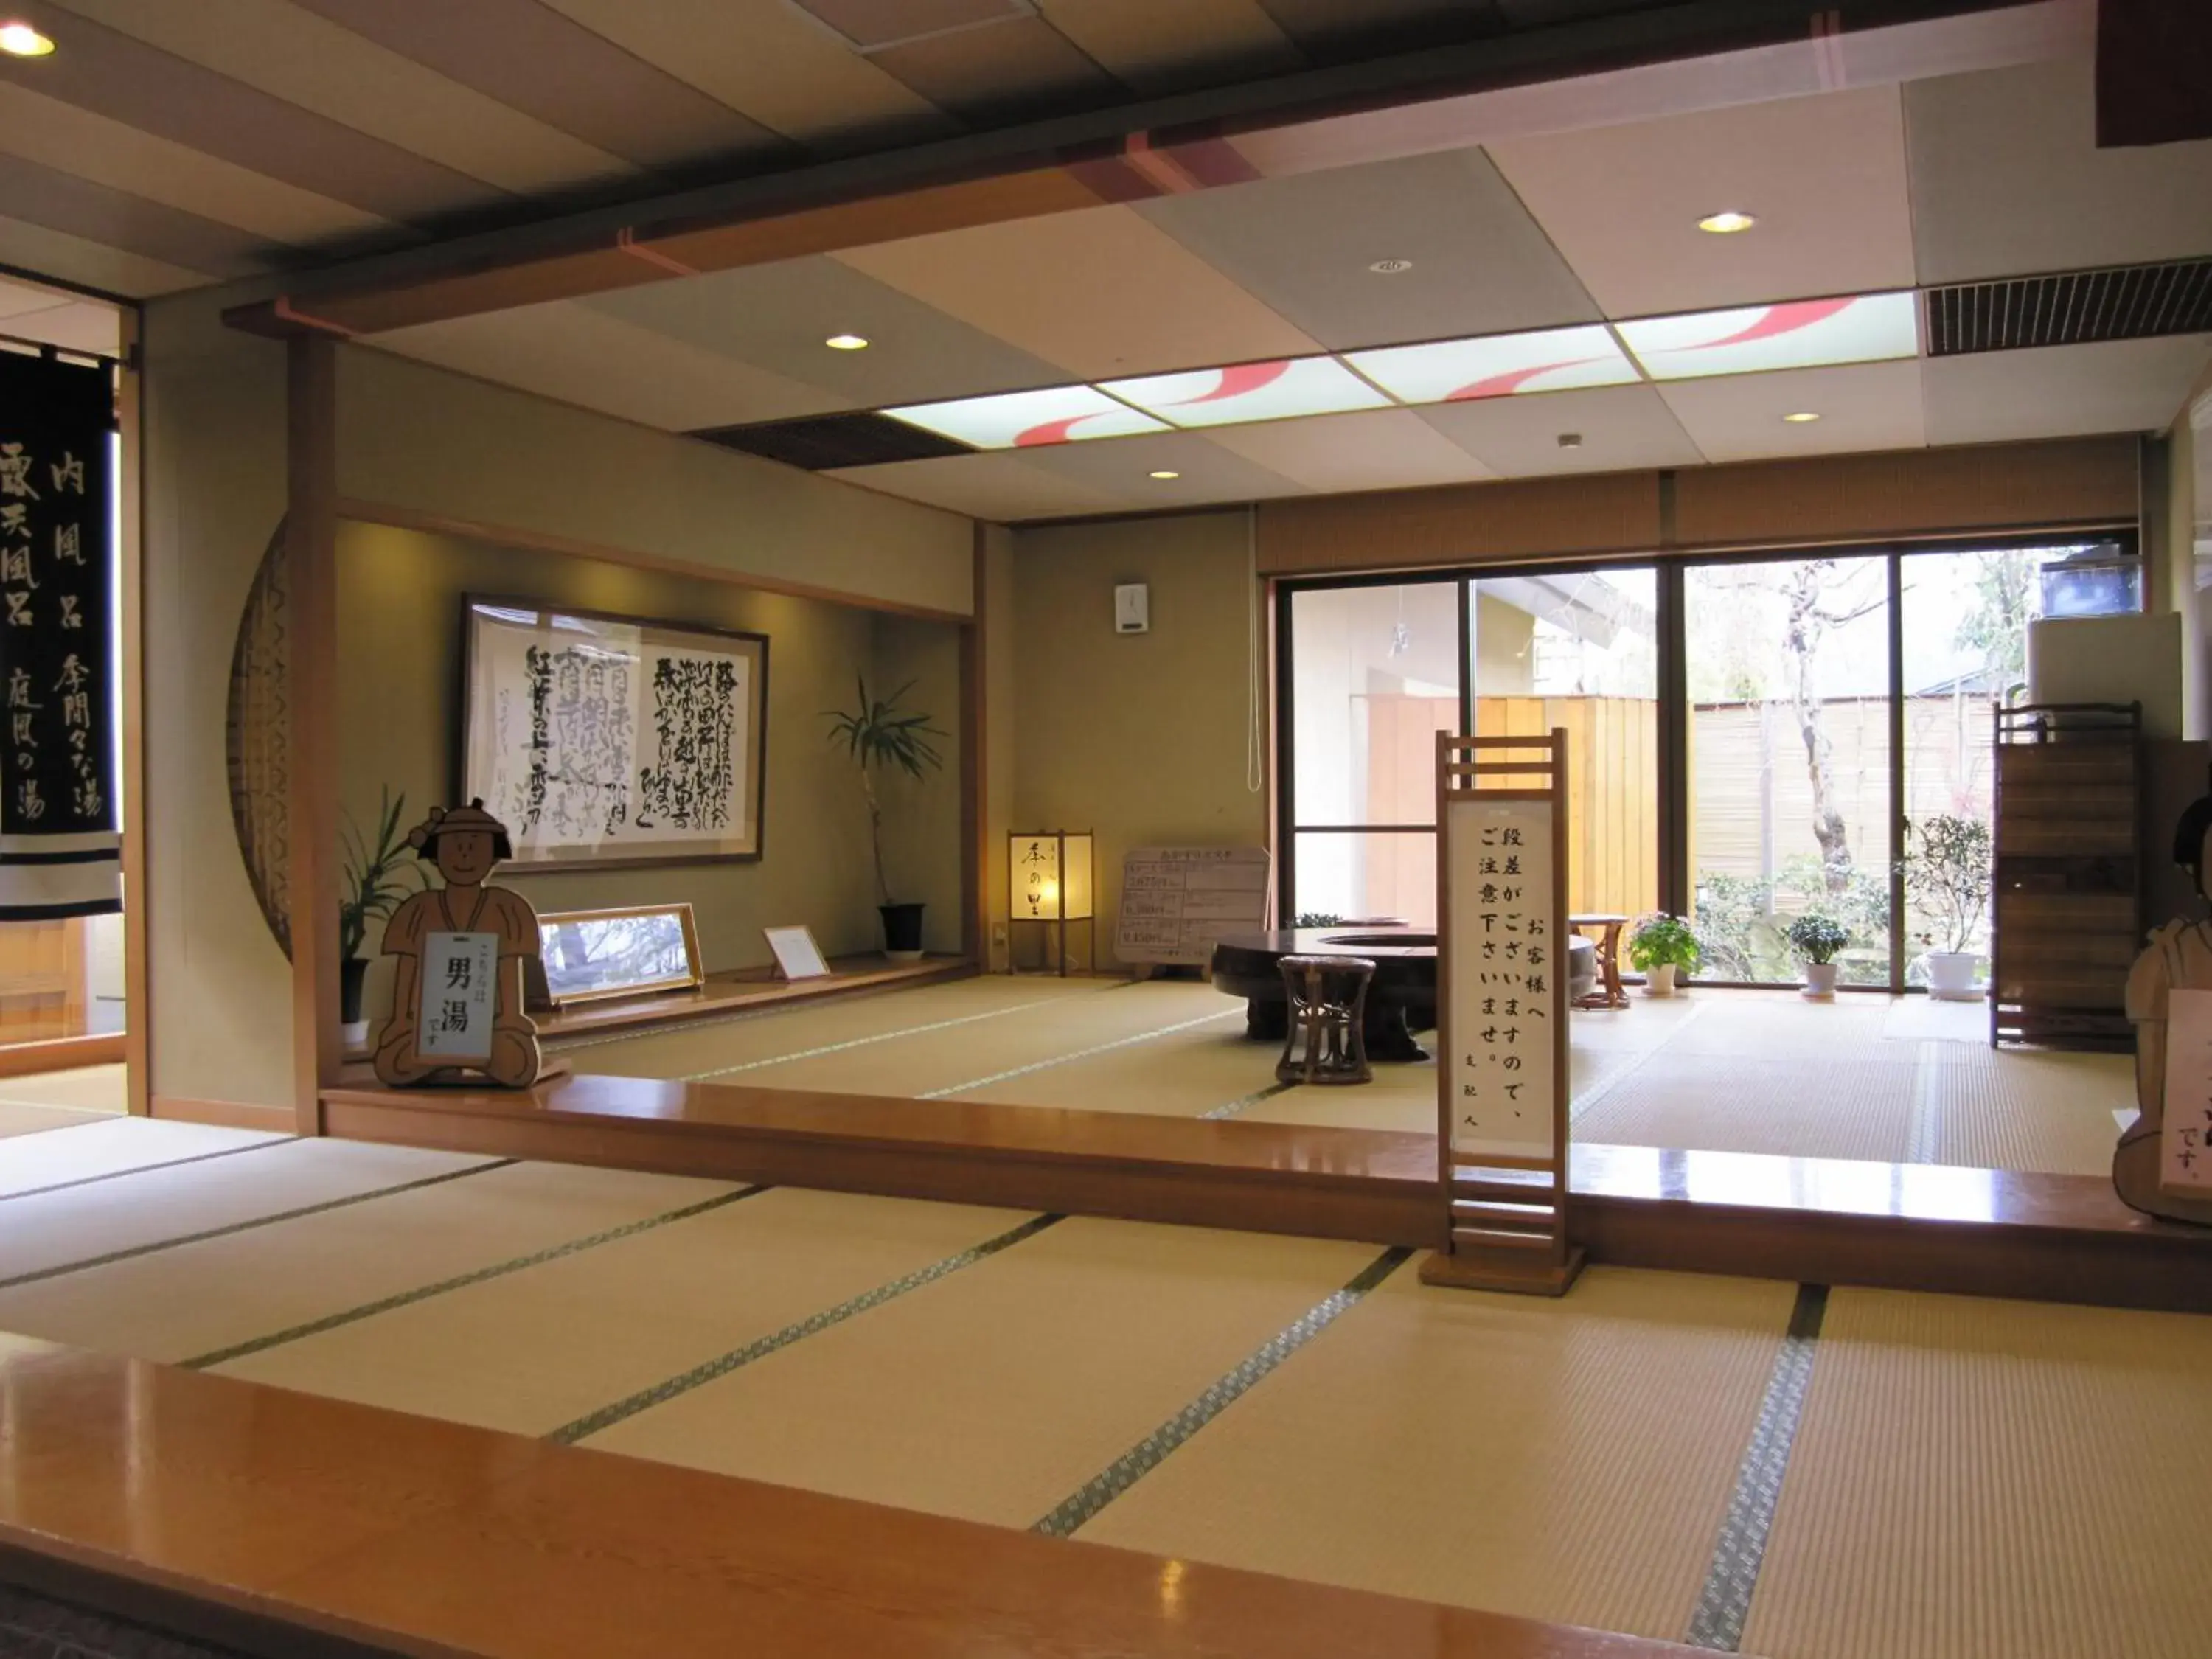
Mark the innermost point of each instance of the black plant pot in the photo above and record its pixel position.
(902, 930)
(351, 972)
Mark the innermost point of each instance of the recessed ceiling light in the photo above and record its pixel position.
(845, 342)
(1801, 416)
(1571, 440)
(1390, 267)
(19, 40)
(1727, 223)
(1165, 473)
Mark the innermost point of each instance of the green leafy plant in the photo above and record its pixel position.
(1817, 938)
(1663, 941)
(878, 732)
(1317, 919)
(1947, 872)
(378, 875)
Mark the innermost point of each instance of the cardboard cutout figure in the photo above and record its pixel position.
(2178, 959)
(457, 999)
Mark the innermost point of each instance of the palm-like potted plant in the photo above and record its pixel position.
(1661, 948)
(1947, 872)
(877, 732)
(377, 876)
(1816, 940)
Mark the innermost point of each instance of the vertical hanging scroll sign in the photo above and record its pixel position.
(59, 853)
(1502, 1015)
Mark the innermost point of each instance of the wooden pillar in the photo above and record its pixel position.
(130, 600)
(310, 767)
(975, 765)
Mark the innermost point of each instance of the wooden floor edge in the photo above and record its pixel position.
(277, 1523)
(62, 1053)
(223, 1114)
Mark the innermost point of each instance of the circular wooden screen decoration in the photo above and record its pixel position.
(256, 728)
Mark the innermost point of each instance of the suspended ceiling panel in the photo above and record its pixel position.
(1387, 449)
(2119, 385)
(2007, 180)
(1865, 406)
(1478, 263)
(1099, 293)
(1825, 176)
(1157, 46)
(1122, 467)
(998, 487)
(571, 352)
(1621, 428)
(95, 264)
(54, 318)
(776, 317)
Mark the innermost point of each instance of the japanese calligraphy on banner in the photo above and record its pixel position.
(599, 738)
(59, 851)
(2184, 1162)
(1177, 902)
(1506, 1004)
(459, 982)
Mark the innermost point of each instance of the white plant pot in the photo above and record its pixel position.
(1951, 975)
(356, 1033)
(1820, 982)
(1659, 981)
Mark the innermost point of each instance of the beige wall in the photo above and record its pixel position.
(1001, 724)
(399, 678)
(1140, 738)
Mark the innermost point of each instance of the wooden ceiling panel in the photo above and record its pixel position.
(1100, 292)
(274, 48)
(1825, 176)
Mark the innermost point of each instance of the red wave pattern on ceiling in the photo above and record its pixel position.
(1498, 386)
(1236, 382)
(1779, 320)
(1052, 432)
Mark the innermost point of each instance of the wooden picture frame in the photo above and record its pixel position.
(585, 732)
(797, 955)
(650, 971)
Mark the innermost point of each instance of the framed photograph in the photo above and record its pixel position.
(797, 955)
(603, 740)
(589, 954)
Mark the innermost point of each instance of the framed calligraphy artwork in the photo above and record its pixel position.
(603, 739)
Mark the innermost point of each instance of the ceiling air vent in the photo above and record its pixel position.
(2132, 303)
(819, 441)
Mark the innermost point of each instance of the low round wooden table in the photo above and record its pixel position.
(1607, 993)
(1401, 998)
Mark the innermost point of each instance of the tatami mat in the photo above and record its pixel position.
(42, 1230)
(1184, 1073)
(537, 1349)
(1923, 1020)
(98, 1146)
(996, 1393)
(180, 1304)
(1782, 1026)
(2018, 1110)
(2009, 1479)
(1829, 1107)
(1401, 1097)
(83, 1089)
(1567, 1460)
(17, 1121)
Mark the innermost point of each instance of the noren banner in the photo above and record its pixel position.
(60, 854)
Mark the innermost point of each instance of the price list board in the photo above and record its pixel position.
(1178, 902)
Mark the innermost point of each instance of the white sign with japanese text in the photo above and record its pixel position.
(2184, 1163)
(1505, 999)
(1178, 902)
(459, 997)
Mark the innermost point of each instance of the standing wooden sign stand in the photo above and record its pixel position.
(1502, 1014)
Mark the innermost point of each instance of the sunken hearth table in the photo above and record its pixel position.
(1400, 1001)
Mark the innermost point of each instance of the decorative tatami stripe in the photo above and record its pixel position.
(863, 1042)
(699, 1376)
(1923, 1129)
(1141, 1459)
(460, 1281)
(1717, 1623)
(1080, 1053)
(1243, 1101)
(142, 1168)
(324, 1208)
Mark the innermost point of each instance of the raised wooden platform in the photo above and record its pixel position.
(744, 989)
(1923, 1227)
(276, 1523)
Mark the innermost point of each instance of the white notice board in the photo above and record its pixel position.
(1176, 902)
(1506, 998)
(2184, 1162)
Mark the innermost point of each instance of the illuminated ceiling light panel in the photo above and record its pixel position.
(1250, 392)
(1797, 334)
(1026, 420)
(1451, 371)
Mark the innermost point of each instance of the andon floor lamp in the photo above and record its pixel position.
(1048, 886)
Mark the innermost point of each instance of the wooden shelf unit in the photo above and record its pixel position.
(2066, 908)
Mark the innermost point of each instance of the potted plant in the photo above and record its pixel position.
(1661, 948)
(376, 877)
(1947, 872)
(878, 732)
(1817, 939)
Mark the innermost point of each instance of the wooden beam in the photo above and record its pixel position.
(311, 765)
(138, 977)
(975, 765)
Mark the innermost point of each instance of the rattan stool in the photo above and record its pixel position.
(1328, 998)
